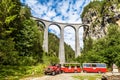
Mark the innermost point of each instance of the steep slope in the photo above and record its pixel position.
(53, 44)
(98, 15)
(102, 36)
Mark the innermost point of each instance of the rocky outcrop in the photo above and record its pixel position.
(115, 76)
(98, 15)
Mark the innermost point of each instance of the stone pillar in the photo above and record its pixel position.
(61, 46)
(45, 41)
(77, 44)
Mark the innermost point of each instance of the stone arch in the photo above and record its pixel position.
(61, 43)
(70, 26)
(70, 31)
(55, 25)
(52, 25)
(77, 42)
(61, 27)
(39, 21)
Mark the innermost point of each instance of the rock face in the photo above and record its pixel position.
(111, 77)
(98, 15)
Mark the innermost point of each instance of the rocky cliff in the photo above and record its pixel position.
(98, 15)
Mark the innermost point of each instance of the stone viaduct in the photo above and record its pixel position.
(61, 26)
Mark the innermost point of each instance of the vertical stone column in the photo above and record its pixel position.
(77, 44)
(61, 46)
(45, 41)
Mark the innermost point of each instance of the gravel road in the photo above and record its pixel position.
(64, 76)
(57, 77)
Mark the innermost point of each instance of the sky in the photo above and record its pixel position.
(64, 11)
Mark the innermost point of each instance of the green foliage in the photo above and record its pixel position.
(88, 77)
(9, 15)
(7, 52)
(102, 8)
(54, 60)
(28, 43)
(94, 5)
(8, 72)
(53, 45)
(50, 59)
(54, 48)
(25, 12)
(105, 50)
(19, 35)
(69, 53)
(108, 6)
(88, 44)
(9, 18)
(21, 41)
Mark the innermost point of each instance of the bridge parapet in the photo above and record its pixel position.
(61, 26)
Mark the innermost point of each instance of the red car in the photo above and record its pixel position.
(71, 68)
(53, 69)
(94, 67)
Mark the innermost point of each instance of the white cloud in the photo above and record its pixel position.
(51, 13)
(69, 36)
(58, 19)
(55, 30)
(63, 11)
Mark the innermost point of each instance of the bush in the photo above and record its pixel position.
(50, 59)
(8, 72)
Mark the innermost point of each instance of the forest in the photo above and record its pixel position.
(102, 42)
(105, 50)
(21, 40)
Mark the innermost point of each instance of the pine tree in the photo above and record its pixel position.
(9, 18)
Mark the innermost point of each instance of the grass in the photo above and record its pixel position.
(18, 72)
(89, 77)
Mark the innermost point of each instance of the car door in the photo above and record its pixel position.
(94, 68)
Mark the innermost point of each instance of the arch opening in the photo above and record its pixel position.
(77, 37)
(53, 40)
(41, 24)
(69, 45)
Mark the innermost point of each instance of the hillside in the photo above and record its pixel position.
(98, 15)
(21, 40)
(54, 48)
(102, 37)
(53, 45)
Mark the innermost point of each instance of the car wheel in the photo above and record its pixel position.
(45, 73)
(85, 71)
(60, 72)
(99, 72)
(75, 71)
(53, 73)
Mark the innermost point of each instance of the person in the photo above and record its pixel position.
(114, 68)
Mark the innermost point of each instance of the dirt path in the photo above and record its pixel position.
(67, 76)
(64, 76)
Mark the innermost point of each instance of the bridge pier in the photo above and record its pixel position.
(77, 44)
(45, 41)
(61, 46)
